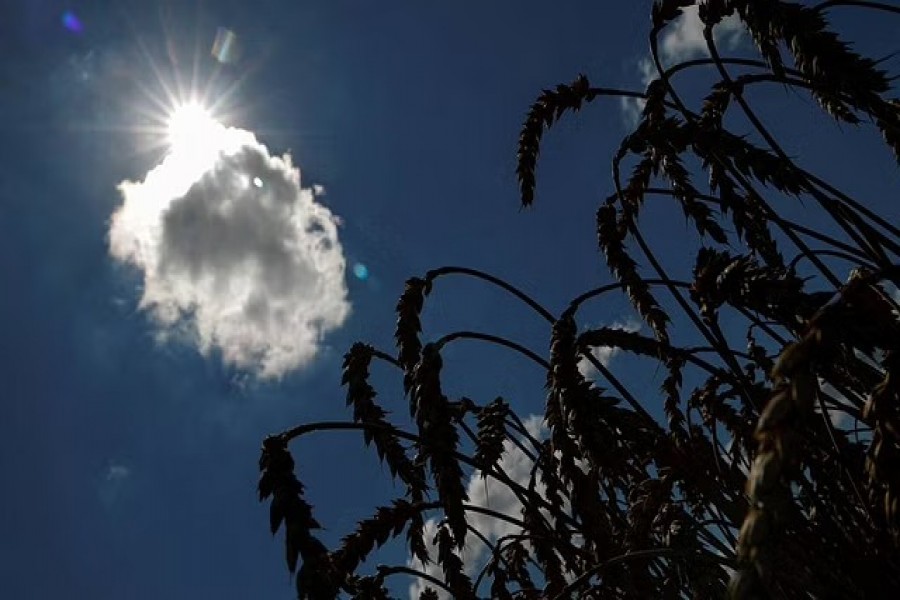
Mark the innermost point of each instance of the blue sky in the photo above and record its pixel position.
(129, 456)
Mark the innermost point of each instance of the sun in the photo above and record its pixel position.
(191, 128)
(195, 141)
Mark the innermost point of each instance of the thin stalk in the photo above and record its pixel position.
(435, 273)
(494, 339)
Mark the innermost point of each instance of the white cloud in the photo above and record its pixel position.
(488, 493)
(234, 251)
(682, 40)
(632, 107)
(117, 472)
(112, 484)
(604, 354)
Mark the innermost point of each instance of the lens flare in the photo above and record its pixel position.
(361, 271)
(225, 47)
(71, 22)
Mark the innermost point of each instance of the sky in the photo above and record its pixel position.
(173, 294)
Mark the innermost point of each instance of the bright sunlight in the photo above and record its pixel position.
(191, 127)
(195, 141)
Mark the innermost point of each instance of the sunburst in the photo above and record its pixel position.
(191, 127)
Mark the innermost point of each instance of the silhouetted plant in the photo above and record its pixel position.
(788, 485)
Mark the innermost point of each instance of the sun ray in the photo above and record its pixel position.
(166, 73)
